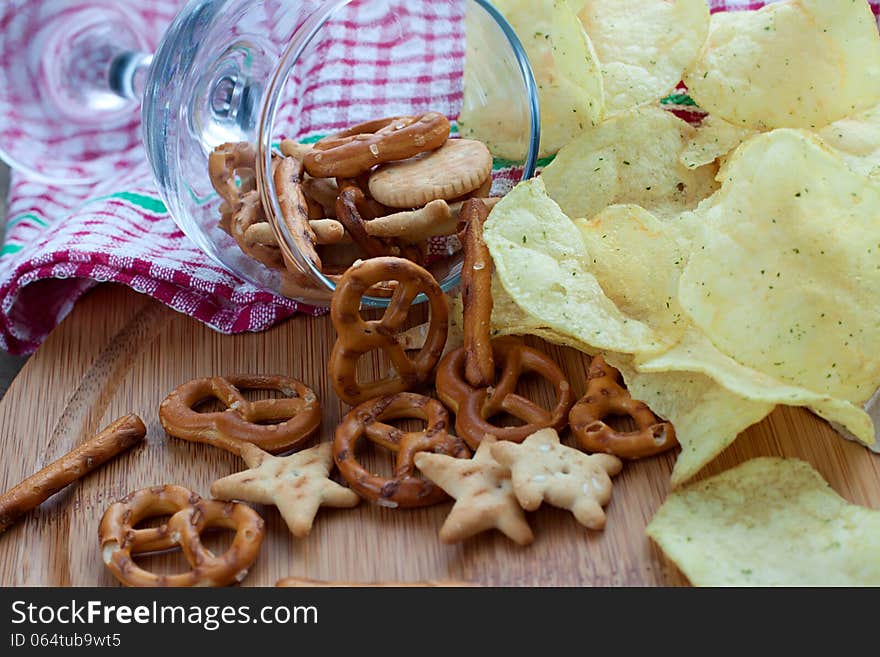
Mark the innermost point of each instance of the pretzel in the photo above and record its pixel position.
(348, 213)
(120, 436)
(605, 396)
(291, 148)
(190, 516)
(223, 163)
(357, 336)
(299, 413)
(294, 208)
(476, 294)
(404, 489)
(474, 407)
(355, 151)
(327, 231)
(259, 244)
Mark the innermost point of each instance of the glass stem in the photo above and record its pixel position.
(127, 76)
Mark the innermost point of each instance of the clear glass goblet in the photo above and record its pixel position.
(75, 72)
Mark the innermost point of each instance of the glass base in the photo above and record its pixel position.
(60, 121)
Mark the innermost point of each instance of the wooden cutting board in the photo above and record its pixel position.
(120, 352)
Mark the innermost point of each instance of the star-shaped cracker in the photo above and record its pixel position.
(483, 495)
(298, 484)
(543, 469)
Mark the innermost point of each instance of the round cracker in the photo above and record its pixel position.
(459, 167)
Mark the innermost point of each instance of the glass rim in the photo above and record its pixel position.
(303, 38)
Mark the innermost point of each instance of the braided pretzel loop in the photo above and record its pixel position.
(355, 151)
(606, 396)
(404, 489)
(357, 336)
(476, 294)
(190, 516)
(475, 407)
(291, 419)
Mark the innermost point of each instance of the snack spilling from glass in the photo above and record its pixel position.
(712, 249)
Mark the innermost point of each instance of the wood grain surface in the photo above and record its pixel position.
(120, 352)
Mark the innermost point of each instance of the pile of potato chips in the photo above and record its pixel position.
(726, 268)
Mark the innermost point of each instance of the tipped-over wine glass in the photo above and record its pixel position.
(82, 91)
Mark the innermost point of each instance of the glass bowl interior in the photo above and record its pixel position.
(262, 71)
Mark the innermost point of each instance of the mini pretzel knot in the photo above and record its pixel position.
(357, 336)
(475, 407)
(297, 414)
(404, 489)
(190, 516)
(605, 396)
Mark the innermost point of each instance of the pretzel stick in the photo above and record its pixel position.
(36, 489)
(297, 582)
(327, 231)
(476, 294)
(290, 148)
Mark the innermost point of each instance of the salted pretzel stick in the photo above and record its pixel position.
(476, 293)
(36, 489)
(327, 231)
(298, 582)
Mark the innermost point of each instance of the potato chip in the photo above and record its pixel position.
(714, 139)
(857, 141)
(541, 261)
(566, 70)
(550, 291)
(644, 46)
(795, 64)
(629, 159)
(785, 277)
(695, 353)
(768, 522)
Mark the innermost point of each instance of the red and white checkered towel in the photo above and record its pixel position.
(60, 242)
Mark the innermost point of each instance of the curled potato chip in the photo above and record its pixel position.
(644, 46)
(793, 64)
(696, 354)
(541, 261)
(785, 273)
(768, 522)
(629, 159)
(566, 70)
